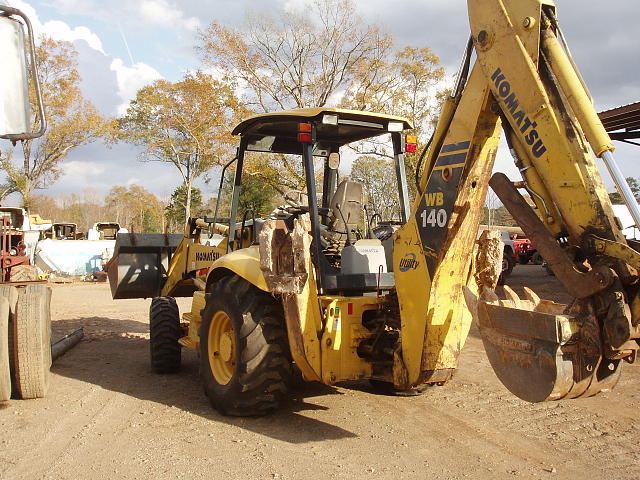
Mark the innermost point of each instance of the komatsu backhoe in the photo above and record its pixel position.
(317, 287)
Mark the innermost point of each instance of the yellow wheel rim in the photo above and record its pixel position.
(222, 347)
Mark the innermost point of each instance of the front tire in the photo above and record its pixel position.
(165, 331)
(245, 362)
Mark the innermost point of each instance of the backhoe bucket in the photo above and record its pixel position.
(139, 263)
(541, 350)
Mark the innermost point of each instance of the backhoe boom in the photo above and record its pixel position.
(523, 82)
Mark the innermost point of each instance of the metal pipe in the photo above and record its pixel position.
(61, 347)
(401, 176)
(622, 185)
(576, 94)
(201, 284)
(316, 247)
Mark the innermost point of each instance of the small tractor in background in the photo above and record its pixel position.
(25, 322)
(16, 264)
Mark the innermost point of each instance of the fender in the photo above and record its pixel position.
(244, 262)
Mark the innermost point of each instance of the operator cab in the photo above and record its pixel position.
(351, 243)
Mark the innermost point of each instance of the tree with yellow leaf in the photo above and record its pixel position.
(322, 54)
(185, 123)
(299, 58)
(72, 121)
(408, 84)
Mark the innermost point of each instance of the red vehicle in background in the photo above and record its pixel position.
(526, 251)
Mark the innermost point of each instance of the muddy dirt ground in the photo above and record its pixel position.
(108, 417)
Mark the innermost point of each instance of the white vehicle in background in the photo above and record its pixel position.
(64, 257)
(105, 231)
(629, 228)
(509, 258)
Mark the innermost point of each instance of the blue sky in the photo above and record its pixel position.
(125, 45)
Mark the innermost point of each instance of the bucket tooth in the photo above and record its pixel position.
(512, 296)
(531, 296)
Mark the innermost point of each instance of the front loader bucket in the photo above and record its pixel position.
(541, 350)
(139, 263)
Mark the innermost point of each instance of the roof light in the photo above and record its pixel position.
(305, 138)
(305, 133)
(330, 119)
(395, 126)
(411, 144)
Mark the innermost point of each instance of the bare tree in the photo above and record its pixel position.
(299, 59)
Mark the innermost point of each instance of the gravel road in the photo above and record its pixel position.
(108, 417)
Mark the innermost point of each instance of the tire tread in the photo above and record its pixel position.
(165, 331)
(263, 370)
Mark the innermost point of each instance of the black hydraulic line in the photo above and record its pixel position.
(316, 247)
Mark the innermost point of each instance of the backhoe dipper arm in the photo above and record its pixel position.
(523, 79)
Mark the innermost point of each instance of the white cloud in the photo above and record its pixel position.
(155, 12)
(131, 79)
(82, 170)
(59, 30)
(161, 12)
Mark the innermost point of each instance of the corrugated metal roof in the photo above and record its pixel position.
(623, 122)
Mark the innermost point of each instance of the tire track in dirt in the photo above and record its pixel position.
(594, 434)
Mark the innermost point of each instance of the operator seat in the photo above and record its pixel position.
(346, 208)
(346, 212)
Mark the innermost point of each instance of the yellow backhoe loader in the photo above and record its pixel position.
(317, 287)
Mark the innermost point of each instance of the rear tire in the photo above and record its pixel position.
(5, 371)
(245, 362)
(31, 342)
(165, 331)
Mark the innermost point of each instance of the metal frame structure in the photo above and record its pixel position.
(277, 133)
(623, 123)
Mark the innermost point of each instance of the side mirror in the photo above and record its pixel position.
(17, 57)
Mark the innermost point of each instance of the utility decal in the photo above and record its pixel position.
(408, 262)
(451, 159)
(526, 126)
(207, 256)
(436, 204)
(454, 147)
(336, 319)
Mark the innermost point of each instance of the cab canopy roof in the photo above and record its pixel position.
(278, 132)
